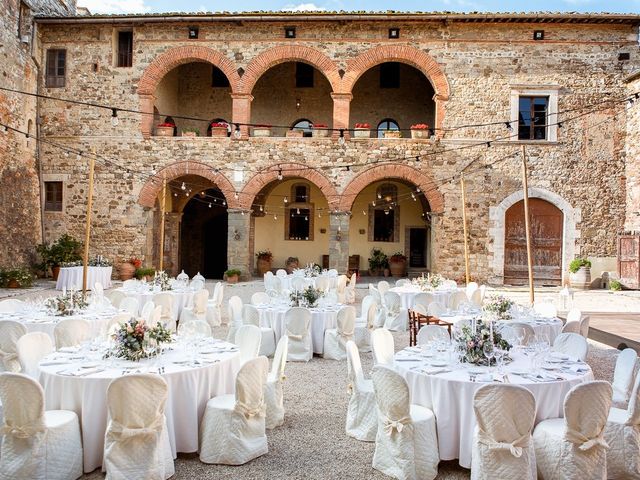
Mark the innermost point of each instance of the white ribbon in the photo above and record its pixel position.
(23, 431)
(391, 425)
(118, 430)
(7, 357)
(585, 443)
(295, 337)
(247, 411)
(514, 447)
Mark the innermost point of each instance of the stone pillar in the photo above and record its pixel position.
(172, 243)
(146, 120)
(632, 164)
(241, 112)
(341, 107)
(339, 241)
(238, 236)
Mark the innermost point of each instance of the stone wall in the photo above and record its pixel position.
(632, 171)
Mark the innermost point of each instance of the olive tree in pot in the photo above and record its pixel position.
(264, 261)
(378, 262)
(580, 273)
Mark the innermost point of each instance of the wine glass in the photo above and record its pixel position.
(489, 351)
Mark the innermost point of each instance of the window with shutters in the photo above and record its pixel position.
(56, 68)
(53, 196)
(125, 49)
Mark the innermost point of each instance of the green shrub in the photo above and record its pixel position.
(232, 272)
(615, 285)
(144, 272)
(577, 263)
(22, 275)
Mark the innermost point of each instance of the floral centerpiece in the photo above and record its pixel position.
(135, 340)
(308, 297)
(472, 338)
(429, 283)
(66, 304)
(77, 263)
(162, 280)
(312, 270)
(99, 261)
(499, 307)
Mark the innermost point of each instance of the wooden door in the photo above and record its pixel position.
(629, 260)
(546, 240)
(417, 248)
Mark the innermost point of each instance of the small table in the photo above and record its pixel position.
(71, 277)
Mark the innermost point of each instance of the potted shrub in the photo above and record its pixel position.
(17, 278)
(398, 264)
(64, 250)
(128, 268)
(219, 129)
(580, 273)
(362, 130)
(165, 129)
(265, 258)
(262, 131)
(145, 273)
(295, 133)
(320, 130)
(292, 264)
(232, 275)
(190, 132)
(420, 130)
(392, 134)
(378, 261)
(615, 285)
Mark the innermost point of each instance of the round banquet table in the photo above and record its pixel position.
(322, 318)
(550, 328)
(309, 281)
(71, 277)
(69, 386)
(408, 294)
(181, 297)
(450, 395)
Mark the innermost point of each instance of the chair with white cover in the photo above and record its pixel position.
(199, 308)
(458, 299)
(383, 346)
(365, 324)
(298, 328)
(191, 326)
(545, 309)
(165, 300)
(350, 290)
(402, 282)
(235, 310)
(197, 285)
(622, 434)
(146, 312)
(436, 309)
(130, 305)
(383, 287)
(397, 318)
(71, 332)
(335, 339)
(477, 297)
(156, 316)
(406, 440)
(214, 306)
(37, 444)
(421, 309)
(248, 341)
(136, 443)
(502, 444)
(132, 282)
(574, 315)
(571, 344)
(432, 333)
(298, 284)
(571, 327)
(424, 298)
(251, 316)
(523, 331)
(273, 391)
(281, 273)
(322, 283)
(115, 321)
(623, 376)
(232, 431)
(260, 298)
(98, 289)
(584, 326)
(31, 348)
(471, 287)
(332, 272)
(10, 333)
(573, 447)
(362, 416)
(11, 305)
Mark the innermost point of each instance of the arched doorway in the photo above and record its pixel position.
(546, 241)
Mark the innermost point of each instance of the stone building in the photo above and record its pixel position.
(484, 84)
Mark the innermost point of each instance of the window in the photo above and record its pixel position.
(304, 75)
(53, 196)
(299, 224)
(218, 78)
(125, 49)
(304, 125)
(387, 124)
(383, 225)
(300, 193)
(384, 214)
(532, 118)
(390, 75)
(56, 67)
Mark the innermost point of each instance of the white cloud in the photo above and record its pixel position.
(303, 7)
(114, 6)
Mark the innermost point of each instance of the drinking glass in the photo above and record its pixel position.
(489, 351)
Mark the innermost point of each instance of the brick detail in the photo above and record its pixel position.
(153, 187)
(390, 171)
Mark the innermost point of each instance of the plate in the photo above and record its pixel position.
(476, 370)
(440, 363)
(518, 372)
(90, 365)
(180, 362)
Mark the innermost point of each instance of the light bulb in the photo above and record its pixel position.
(183, 187)
(209, 205)
(364, 213)
(275, 217)
(298, 211)
(224, 202)
(261, 209)
(286, 199)
(175, 194)
(279, 174)
(114, 117)
(236, 195)
(237, 133)
(306, 218)
(341, 140)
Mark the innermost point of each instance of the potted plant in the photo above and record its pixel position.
(378, 261)
(219, 129)
(398, 264)
(262, 131)
(264, 261)
(615, 285)
(165, 129)
(64, 250)
(362, 130)
(320, 130)
(128, 268)
(392, 134)
(580, 273)
(420, 130)
(190, 132)
(292, 264)
(232, 275)
(295, 133)
(17, 278)
(145, 273)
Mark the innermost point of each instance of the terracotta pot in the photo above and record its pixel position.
(581, 279)
(189, 134)
(295, 133)
(261, 132)
(219, 132)
(263, 266)
(233, 279)
(55, 271)
(397, 267)
(320, 132)
(361, 133)
(392, 134)
(13, 283)
(127, 270)
(164, 131)
(420, 133)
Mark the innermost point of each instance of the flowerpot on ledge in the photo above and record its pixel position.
(164, 131)
(55, 271)
(263, 266)
(392, 134)
(361, 133)
(219, 132)
(398, 267)
(420, 133)
(261, 132)
(581, 279)
(13, 283)
(295, 133)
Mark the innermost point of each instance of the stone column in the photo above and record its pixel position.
(146, 120)
(172, 243)
(339, 241)
(241, 112)
(341, 107)
(238, 247)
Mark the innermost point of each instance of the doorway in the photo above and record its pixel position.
(418, 247)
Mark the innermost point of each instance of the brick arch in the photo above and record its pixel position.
(289, 53)
(388, 172)
(177, 56)
(289, 170)
(153, 186)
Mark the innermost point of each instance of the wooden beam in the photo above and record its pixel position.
(163, 199)
(525, 186)
(87, 235)
(464, 230)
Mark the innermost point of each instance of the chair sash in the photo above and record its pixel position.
(583, 442)
(23, 431)
(6, 357)
(121, 432)
(514, 447)
(397, 425)
(248, 411)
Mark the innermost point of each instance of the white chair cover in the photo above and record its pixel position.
(335, 339)
(574, 315)
(200, 302)
(571, 344)
(194, 327)
(130, 283)
(584, 326)
(431, 333)
(350, 290)
(10, 333)
(31, 348)
(273, 392)
(435, 309)
(114, 322)
(365, 324)
(406, 440)
(137, 442)
(37, 445)
(156, 315)
(235, 310)
(332, 272)
(116, 297)
(260, 298)
(298, 329)
(147, 311)
(198, 276)
(281, 273)
(362, 416)
(471, 287)
(197, 284)
(11, 305)
(71, 332)
(341, 286)
(232, 431)
(130, 305)
(424, 298)
(419, 308)
(214, 306)
(383, 346)
(571, 327)
(397, 318)
(477, 297)
(457, 299)
(248, 339)
(623, 376)
(165, 300)
(545, 309)
(502, 443)
(251, 316)
(375, 293)
(524, 331)
(402, 282)
(383, 287)
(98, 289)
(322, 283)
(298, 284)
(573, 447)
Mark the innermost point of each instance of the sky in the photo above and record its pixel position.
(150, 6)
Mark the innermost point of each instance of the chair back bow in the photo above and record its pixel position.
(515, 448)
(583, 442)
(7, 357)
(293, 336)
(397, 425)
(248, 411)
(22, 431)
(118, 430)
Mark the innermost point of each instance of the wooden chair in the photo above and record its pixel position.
(417, 320)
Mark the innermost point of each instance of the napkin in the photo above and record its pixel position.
(484, 377)
(434, 370)
(83, 372)
(577, 368)
(54, 362)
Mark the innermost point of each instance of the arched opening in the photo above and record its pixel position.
(291, 91)
(196, 90)
(303, 125)
(546, 240)
(393, 95)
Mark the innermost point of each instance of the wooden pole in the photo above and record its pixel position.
(464, 229)
(525, 186)
(87, 235)
(163, 200)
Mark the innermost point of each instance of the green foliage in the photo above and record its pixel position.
(22, 275)
(265, 255)
(64, 250)
(233, 272)
(398, 257)
(378, 259)
(615, 285)
(144, 272)
(577, 263)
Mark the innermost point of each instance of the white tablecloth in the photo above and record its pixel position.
(71, 277)
(309, 281)
(549, 327)
(181, 298)
(190, 388)
(408, 294)
(450, 396)
(321, 320)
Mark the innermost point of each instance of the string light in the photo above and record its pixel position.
(298, 211)
(275, 217)
(364, 213)
(286, 199)
(341, 137)
(280, 174)
(114, 117)
(209, 205)
(235, 194)
(224, 203)
(261, 209)
(508, 125)
(237, 133)
(183, 187)
(373, 204)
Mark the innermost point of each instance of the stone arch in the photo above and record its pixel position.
(289, 170)
(388, 172)
(153, 186)
(289, 53)
(570, 232)
(177, 56)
